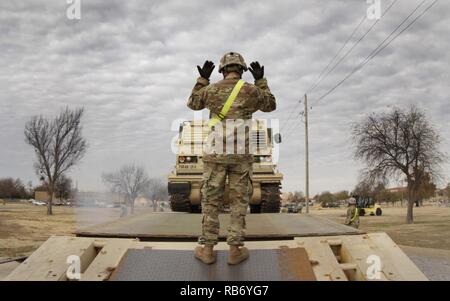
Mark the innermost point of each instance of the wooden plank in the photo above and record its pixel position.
(49, 262)
(325, 265)
(395, 265)
(398, 262)
(357, 251)
(348, 266)
(107, 259)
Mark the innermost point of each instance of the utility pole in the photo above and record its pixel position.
(306, 155)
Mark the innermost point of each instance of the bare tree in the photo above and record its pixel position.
(12, 189)
(369, 187)
(156, 192)
(399, 144)
(447, 191)
(63, 187)
(130, 181)
(326, 198)
(58, 144)
(425, 190)
(341, 195)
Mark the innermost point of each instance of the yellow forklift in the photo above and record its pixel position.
(367, 205)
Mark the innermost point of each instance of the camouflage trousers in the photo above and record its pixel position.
(352, 219)
(354, 224)
(240, 191)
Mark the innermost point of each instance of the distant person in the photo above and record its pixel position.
(123, 210)
(352, 219)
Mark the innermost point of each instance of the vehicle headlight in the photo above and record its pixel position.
(181, 159)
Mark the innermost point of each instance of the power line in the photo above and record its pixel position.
(290, 115)
(336, 55)
(302, 120)
(321, 77)
(299, 115)
(355, 44)
(380, 47)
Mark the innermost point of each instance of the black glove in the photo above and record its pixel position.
(257, 70)
(208, 68)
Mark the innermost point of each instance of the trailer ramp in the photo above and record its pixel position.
(331, 258)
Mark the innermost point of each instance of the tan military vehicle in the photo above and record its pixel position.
(184, 182)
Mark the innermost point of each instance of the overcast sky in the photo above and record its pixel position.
(132, 65)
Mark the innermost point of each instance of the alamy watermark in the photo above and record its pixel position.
(229, 137)
(374, 9)
(73, 272)
(73, 11)
(374, 269)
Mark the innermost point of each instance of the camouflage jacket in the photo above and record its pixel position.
(250, 99)
(352, 217)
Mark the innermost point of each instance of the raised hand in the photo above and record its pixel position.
(206, 70)
(257, 70)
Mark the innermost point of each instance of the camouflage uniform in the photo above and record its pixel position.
(352, 219)
(237, 167)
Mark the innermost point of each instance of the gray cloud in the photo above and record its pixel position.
(131, 64)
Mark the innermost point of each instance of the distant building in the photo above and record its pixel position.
(43, 196)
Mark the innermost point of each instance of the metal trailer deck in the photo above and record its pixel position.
(187, 227)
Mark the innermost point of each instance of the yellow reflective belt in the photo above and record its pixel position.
(213, 121)
(354, 216)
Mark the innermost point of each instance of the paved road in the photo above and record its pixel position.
(434, 263)
(7, 268)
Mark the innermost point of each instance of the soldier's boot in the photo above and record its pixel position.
(237, 255)
(205, 254)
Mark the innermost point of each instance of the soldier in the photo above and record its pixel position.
(352, 219)
(230, 99)
(123, 210)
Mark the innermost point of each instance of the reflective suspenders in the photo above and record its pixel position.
(226, 107)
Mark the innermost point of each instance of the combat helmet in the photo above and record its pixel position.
(232, 58)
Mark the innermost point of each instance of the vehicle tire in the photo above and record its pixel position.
(255, 208)
(362, 212)
(270, 198)
(378, 212)
(196, 209)
(179, 202)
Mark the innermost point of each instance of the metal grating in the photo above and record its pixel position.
(285, 264)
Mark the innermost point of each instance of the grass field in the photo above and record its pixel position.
(431, 228)
(24, 227)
